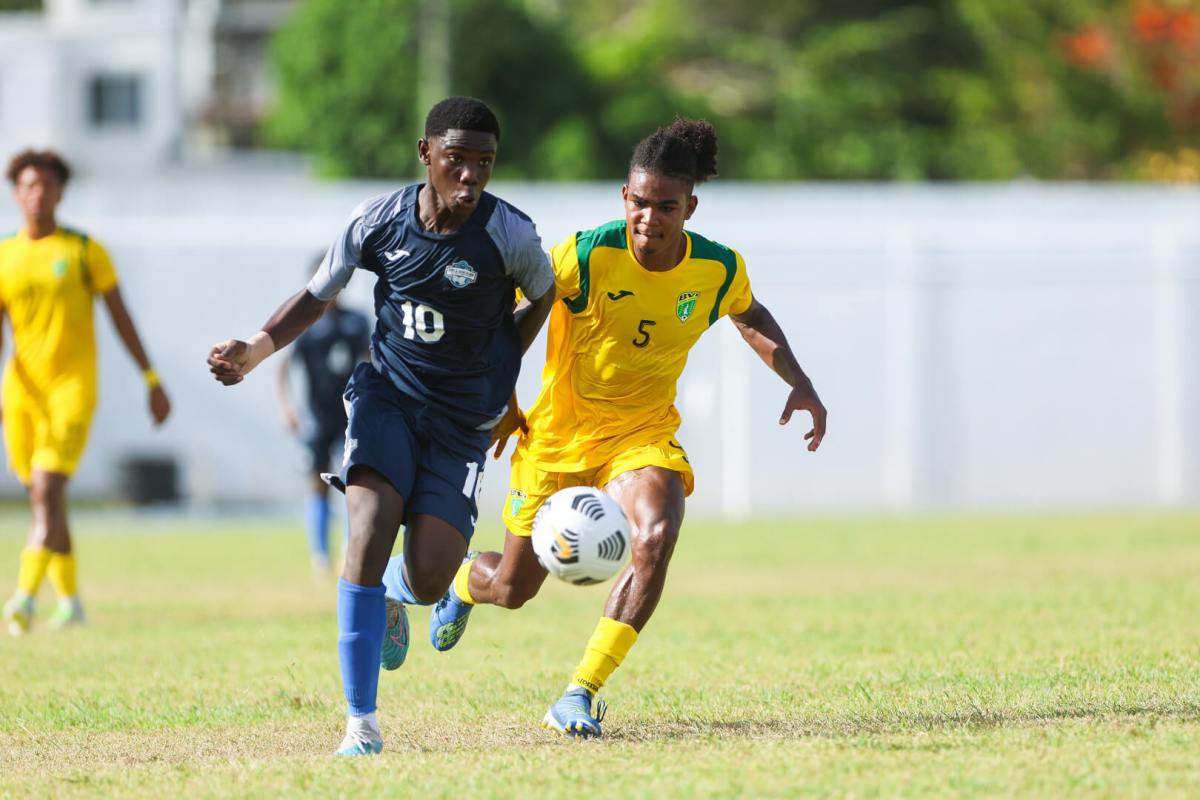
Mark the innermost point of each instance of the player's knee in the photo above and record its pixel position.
(427, 587)
(653, 544)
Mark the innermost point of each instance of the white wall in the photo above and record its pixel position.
(1017, 346)
(47, 62)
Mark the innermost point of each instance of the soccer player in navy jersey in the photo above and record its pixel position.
(448, 259)
(326, 354)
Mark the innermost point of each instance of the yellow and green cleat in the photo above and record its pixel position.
(18, 614)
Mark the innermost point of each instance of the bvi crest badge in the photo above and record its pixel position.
(461, 274)
(685, 305)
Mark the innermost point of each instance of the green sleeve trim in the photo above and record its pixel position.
(611, 234)
(713, 251)
(85, 272)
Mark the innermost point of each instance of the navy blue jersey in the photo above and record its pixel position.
(444, 332)
(328, 352)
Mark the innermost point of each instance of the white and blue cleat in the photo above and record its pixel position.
(353, 746)
(395, 637)
(448, 619)
(572, 716)
(362, 739)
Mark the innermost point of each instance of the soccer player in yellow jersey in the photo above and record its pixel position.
(636, 295)
(49, 276)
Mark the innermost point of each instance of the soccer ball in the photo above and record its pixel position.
(581, 536)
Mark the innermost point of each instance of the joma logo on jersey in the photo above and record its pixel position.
(685, 305)
(461, 274)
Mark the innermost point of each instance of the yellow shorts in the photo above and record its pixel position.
(530, 485)
(48, 433)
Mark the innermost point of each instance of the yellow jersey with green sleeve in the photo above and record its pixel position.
(619, 337)
(47, 287)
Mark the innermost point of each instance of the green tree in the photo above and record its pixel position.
(348, 88)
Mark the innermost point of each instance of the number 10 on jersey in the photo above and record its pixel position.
(422, 321)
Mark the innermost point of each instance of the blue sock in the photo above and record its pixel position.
(397, 587)
(362, 618)
(316, 519)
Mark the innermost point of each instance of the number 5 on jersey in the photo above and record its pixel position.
(422, 321)
(644, 338)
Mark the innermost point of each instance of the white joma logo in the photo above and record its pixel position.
(396, 255)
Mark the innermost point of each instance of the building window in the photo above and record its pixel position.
(115, 100)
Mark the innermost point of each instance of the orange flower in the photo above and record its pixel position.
(1088, 48)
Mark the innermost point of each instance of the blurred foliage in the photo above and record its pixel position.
(20, 5)
(860, 89)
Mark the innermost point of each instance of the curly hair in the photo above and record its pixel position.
(685, 149)
(40, 159)
(463, 114)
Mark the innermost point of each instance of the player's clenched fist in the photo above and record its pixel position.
(229, 361)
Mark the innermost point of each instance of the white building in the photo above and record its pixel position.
(130, 84)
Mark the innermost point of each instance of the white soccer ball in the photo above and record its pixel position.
(581, 535)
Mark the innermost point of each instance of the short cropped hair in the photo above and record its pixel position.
(685, 149)
(462, 114)
(41, 159)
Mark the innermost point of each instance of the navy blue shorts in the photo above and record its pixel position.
(319, 438)
(434, 463)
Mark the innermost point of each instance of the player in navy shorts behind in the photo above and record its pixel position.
(448, 259)
(326, 354)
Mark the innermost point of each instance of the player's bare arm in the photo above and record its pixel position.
(530, 316)
(160, 404)
(283, 394)
(760, 330)
(230, 361)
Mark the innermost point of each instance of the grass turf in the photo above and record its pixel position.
(975, 656)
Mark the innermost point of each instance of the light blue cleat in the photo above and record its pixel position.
(352, 746)
(395, 638)
(362, 739)
(448, 619)
(571, 715)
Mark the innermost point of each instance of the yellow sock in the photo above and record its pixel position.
(605, 651)
(62, 574)
(34, 561)
(462, 582)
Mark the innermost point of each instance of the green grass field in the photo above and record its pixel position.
(966, 656)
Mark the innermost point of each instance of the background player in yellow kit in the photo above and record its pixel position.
(49, 276)
(636, 294)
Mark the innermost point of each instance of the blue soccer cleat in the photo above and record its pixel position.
(572, 715)
(448, 619)
(395, 638)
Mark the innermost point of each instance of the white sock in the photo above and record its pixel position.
(362, 723)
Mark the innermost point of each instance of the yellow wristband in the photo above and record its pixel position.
(150, 376)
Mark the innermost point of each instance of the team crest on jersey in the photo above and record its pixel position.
(60, 268)
(685, 305)
(461, 274)
(516, 499)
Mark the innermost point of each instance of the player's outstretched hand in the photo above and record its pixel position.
(227, 361)
(160, 405)
(804, 398)
(512, 421)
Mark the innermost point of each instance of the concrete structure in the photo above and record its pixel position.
(125, 86)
